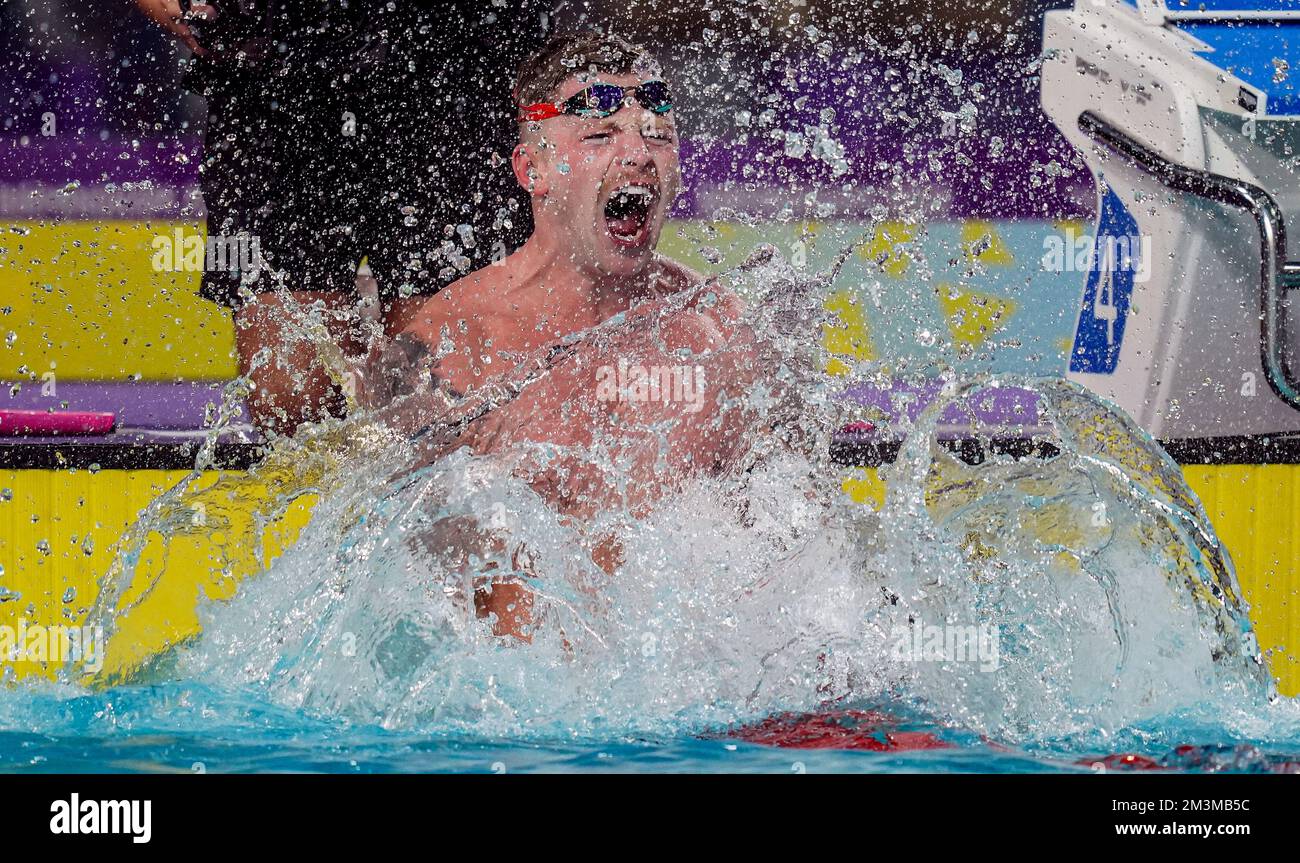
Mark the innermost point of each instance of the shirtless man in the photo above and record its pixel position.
(648, 397)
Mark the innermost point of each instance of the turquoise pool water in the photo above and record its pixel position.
(1019, 614)
(188, 728)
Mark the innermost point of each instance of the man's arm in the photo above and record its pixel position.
(393, 368)
(417, 387)
(167, 14)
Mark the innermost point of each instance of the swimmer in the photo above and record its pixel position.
(652, 384)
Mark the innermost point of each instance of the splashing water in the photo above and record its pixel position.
(1102, 596)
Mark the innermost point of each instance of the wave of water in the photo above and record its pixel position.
(740, 595)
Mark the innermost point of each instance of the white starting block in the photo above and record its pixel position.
(1188, 114)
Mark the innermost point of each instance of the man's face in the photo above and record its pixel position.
(606, 183)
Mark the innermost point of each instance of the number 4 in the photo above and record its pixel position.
(1103, 302)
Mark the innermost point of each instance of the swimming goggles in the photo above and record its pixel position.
(602, 100)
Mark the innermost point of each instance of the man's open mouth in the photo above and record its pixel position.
(627, 213)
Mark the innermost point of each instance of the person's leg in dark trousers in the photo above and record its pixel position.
(448, 131)
(401, 157)
(277, 167)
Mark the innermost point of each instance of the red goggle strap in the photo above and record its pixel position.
(540, 111)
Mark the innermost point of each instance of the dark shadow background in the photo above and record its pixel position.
(913, 107)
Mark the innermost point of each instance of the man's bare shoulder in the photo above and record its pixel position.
(671, 276)
(709, 297)
(461, 300)
(459, 322)
(702, 312)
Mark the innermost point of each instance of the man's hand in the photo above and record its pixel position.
(464, 545)
(391, 368)
(167, 14)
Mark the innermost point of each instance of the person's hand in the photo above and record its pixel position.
(391, 368)
(167, 14)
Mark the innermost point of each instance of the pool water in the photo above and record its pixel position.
(1026, 614)
(191, 728)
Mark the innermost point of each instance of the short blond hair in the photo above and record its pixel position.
(567, 54)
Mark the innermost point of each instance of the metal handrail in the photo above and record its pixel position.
(1277, 274)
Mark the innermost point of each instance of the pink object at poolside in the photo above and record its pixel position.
(17, 423)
